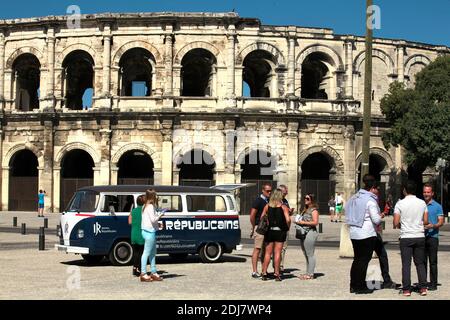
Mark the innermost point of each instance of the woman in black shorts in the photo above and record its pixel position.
(279, 222)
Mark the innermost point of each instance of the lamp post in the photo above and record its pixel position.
(441, 164)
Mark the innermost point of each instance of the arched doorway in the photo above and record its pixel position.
(197, 168)
(23, 181)
(257, 167)
(378, 168)
(135, 167)
(26, 69)
(136, 72)
(317, 76)
(259, 73)
(76, 172)
(198, 68)
(318, 178)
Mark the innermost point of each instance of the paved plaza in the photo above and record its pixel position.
(51, 274)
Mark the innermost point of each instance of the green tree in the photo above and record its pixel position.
(420, 117)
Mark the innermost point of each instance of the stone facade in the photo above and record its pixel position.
(292, 114)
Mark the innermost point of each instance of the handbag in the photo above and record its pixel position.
(263, 225)
(300, 232)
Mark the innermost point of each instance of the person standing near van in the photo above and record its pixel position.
(41, 202)
(137, 241)
(255, 215)
(150, 226)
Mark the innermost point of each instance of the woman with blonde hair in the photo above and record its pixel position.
(308, 221)
(149, 227)
(279, 222)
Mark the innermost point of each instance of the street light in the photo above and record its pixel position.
(441, 164)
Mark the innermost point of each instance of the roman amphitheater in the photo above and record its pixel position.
(191, 99)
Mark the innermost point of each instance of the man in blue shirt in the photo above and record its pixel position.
(436, 220)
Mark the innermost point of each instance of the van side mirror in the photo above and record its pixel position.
(112, 211)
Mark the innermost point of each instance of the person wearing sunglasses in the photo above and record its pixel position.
(255, 215)
(309, 221)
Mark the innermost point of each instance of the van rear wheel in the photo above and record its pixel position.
(92, 259)
(211, 252)
(121, 253)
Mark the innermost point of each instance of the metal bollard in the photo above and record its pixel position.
(24, 229)
(383, 225)
(46, 223)
(14, 221)
(41, 238)
(320, 227)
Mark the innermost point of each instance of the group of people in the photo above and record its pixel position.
(273, 206)
(419, 222)
(144, 221)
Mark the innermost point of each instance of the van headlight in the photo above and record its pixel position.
(80, 233)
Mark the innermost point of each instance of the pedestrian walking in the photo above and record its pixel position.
(41, 202)
(339, 200)
(435, 221)
(332, 209)
(362, 215)
(411, 215)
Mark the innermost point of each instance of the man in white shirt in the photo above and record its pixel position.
(410, 215)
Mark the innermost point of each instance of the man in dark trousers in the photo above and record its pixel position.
(255, 214)
(436, 220)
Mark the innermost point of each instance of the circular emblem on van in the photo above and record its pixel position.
(66, 228)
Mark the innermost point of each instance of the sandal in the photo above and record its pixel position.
(306, 277)
(277, 277)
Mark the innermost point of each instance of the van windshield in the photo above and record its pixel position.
(85, 201)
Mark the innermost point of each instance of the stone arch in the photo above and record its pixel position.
(376, 53)
(332, 155)
(78, 46)
(23, 146)
(135, 146)
(416, 59)
(31, 50)
(247, 150)
(199, 45)
(335, 57)
(379, 152)
(178, 155)
(136, 44)
(261, 46)
(77, 145)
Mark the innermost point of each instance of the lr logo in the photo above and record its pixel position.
(97, 228)
(373, 278)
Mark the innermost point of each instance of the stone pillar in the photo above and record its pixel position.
(5, 186)
(104, 177)
(229, 143)
(56, 189)
(106, 60)
(349, 161)
(167, 153)
(2, 69)
(231, 59)
(51, 62)
(177, 80)
(349, 67)
(45, 172)
(298, 81)
(291, 62)
(292, 153)
(114, 175)
(401, 61)
(168, 61)
(238, 80)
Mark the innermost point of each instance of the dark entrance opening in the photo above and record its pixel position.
(135, 167)
(257, 167)
(377, 166)
(316, 169)
(197, 68)
(78, 77)
(316, 76)
(136, 73)
(76, 172)
(258, 73)
(197, 168)
(26, 70)
(23, 181)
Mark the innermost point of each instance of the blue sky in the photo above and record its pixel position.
(413, 20)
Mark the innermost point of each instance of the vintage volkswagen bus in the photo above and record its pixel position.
(197, 220)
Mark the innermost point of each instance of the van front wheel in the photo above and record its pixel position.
(211, 252)
(121, 253)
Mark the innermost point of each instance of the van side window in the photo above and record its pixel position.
(121, 203)
(202, 203)
(170, 203)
